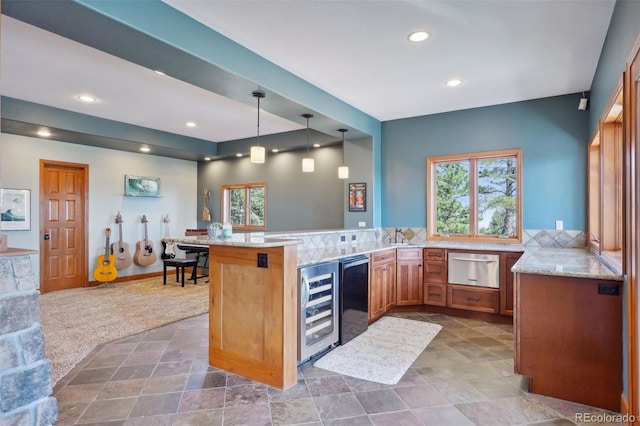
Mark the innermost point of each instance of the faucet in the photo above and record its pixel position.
(396, 235)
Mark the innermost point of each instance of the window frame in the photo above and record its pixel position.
(473, 235)
(225, 204)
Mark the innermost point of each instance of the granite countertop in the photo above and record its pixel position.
(565, 262)
(236, 240)
(11, 251)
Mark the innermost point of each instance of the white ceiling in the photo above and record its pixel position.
(356, 50)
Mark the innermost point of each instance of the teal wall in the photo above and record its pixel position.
(621, 36)
(551, 132)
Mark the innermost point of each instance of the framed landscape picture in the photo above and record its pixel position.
(15, 209)
(357, 197)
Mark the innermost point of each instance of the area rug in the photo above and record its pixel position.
(384, 352)
(78, 320)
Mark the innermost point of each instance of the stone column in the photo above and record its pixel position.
(25, 373)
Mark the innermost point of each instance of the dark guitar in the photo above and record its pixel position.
(145, 255)
(106, 270)
(120, 249)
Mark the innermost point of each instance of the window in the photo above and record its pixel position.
(475, 196)
(243, 205)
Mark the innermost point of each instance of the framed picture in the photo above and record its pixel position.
(141, 186)
(357, 197)
(15, 209)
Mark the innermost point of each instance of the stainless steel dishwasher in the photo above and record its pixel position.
(477, 269)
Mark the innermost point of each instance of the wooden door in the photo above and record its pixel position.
(63, 222)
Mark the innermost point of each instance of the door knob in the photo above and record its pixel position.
(46, 237)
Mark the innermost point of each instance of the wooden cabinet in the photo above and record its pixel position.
(435, 276)
(382, 283)
(507, 260)
(409, 280)
(568, 338)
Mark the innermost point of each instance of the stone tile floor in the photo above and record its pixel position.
(161, 377)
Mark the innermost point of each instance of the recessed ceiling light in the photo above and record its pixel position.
(275, 150)
(316, 145)
(145, 149)
(238, 155)
(418, 36)
(159, 72)
(190, 124)
(454, 82)
(45, 133)
(87, 98)
(207, 158)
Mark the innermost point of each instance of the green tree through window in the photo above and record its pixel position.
(475, 196)
(244, 205)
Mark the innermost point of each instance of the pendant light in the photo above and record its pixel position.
(307, 163)
(343, 171)
(257, 151)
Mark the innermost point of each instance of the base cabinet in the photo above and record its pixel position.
(568, 338)
(409, 277)
(382, 283)
(435, 277)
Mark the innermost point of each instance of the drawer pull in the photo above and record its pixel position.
(434, 294)
(473, 299)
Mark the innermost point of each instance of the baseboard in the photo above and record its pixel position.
(128, 278)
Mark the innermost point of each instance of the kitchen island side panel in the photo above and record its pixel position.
(568, 338)
(253, 312)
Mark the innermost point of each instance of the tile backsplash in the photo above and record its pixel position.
(530, 237)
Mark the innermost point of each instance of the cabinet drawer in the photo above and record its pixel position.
(409, 254)
(435, 294)
(434, 255)
(383, 256)
(435, 272)
(473, 298)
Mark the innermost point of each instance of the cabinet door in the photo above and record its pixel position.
(377, 303)
(390, 285)
(409, 286)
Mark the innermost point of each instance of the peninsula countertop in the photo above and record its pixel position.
(566, 262)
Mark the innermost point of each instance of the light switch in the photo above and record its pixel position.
(559, 225)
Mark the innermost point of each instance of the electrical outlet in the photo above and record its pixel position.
(343, 238)
(559, 225)
(362, 224)
(263, 260)
(353, 237)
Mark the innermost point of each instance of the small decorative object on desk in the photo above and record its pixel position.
(215, 230)
(227, 230)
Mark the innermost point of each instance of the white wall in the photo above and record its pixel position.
(19, 168)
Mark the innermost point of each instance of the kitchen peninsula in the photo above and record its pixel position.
(252, 307)
(568, 326)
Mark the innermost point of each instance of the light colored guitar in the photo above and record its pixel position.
(145, 255)
(120, 249)
(106, 270)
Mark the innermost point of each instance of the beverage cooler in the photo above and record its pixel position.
(318, 314)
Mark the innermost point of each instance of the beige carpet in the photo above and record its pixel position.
(78, 320)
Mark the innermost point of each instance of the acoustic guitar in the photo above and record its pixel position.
(106, 270)
(145, 255)
(120, 249)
